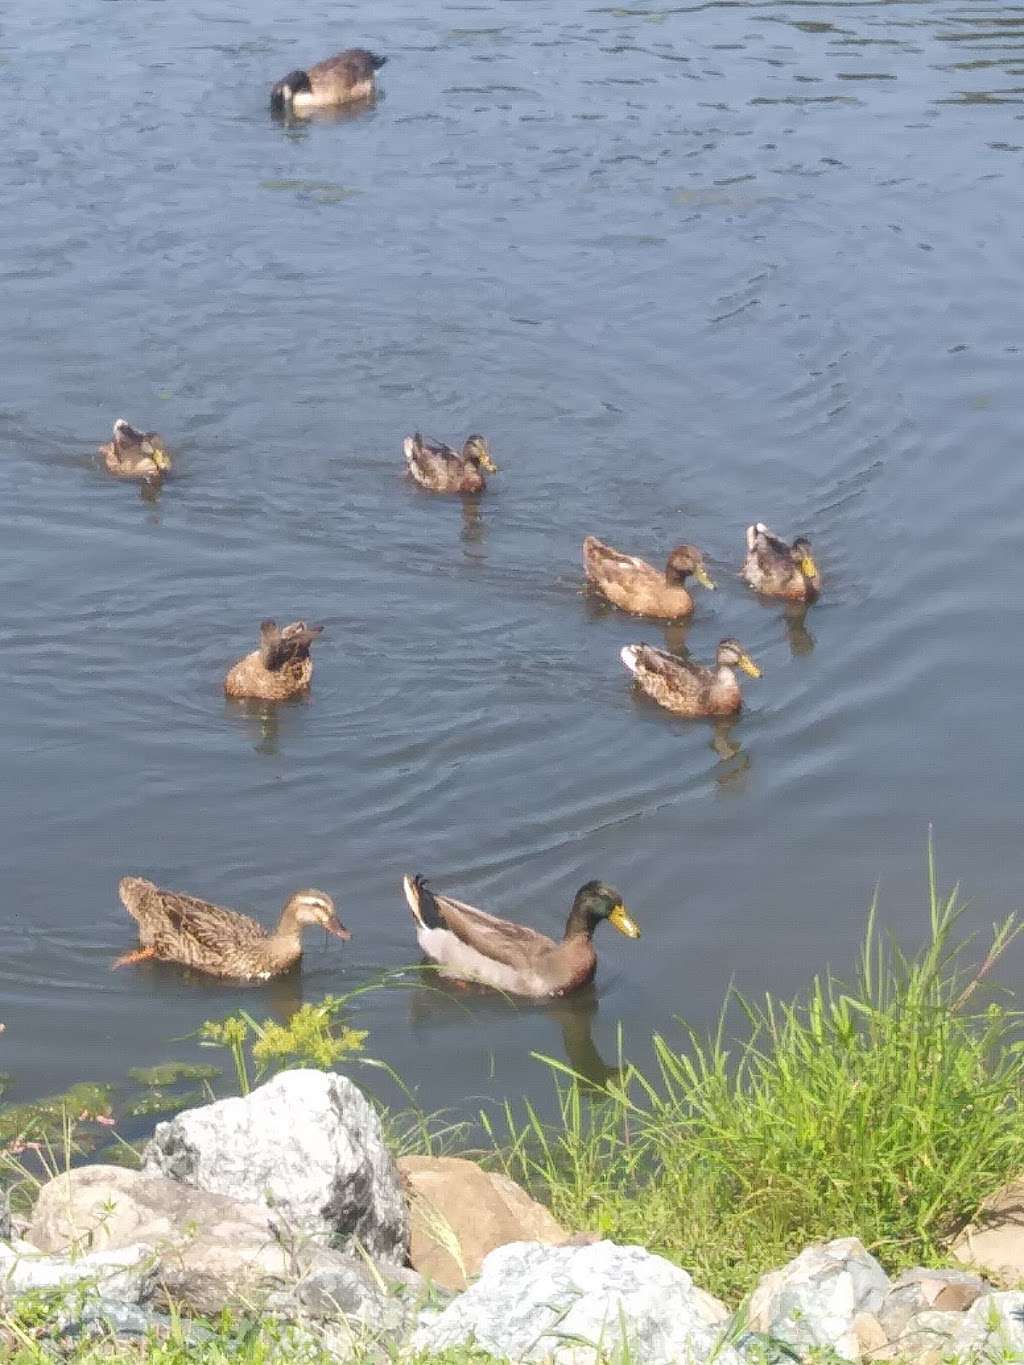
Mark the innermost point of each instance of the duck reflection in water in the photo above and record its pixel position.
(474, 528)
(801, 641)
(439, 1002)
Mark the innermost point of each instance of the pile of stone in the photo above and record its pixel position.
(287, 1204)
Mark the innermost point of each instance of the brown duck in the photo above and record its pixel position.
(636, 586)
(209, 938)
(776, 569)
(342, 79)
(443, 470)
(281, 668)
(474, 946)
(689, 688)
(135, 454)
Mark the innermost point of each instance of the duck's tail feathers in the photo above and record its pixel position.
(422, 902)
(628, 654)
(412, 445)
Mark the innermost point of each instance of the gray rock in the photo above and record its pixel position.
(992, 1329)
(580, 1305)
(213, 1251)
(817, 1299)
(127, 1274)
(308, 1145)
(921, 1289)
(102, 1317)
(926, 1338)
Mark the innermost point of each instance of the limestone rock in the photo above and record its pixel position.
(127, 1274)
(921, 1290)
(994, 1242)
(815, 1300)
(992, 1329)
(459, 1213)
(307, 1145)
(575, 1306)
(212, 1250)
(925, 1339)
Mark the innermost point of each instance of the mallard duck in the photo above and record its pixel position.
(209, 938)
(473, 946)
(135, 454)
(688, 688)
(636, 586)
(444, 470)
(280, 668)
(336, 80)
(779, 570)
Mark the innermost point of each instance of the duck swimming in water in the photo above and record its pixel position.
(135, 454)
(443, 470)
(636, 586)
(776, 569)
(335, 81)
(279, 669)
(689, 688)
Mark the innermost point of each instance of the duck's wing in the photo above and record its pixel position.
(432, 464)
(515, 945)
(603, 561)
(664, 674)
(289, 645)
(349, 68)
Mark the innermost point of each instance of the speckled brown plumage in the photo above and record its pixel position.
(174, 927)
(779, 570)
(689, 688)
(282, 667)
(640, 588)
(443, 470)
(135, 454)
(474, 946)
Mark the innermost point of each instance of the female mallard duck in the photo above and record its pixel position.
(688, 688)
(779, 570)
(279, 669)
(636, 586)
(474, 946)
(135, 454)
(342, 79)
(444, 470)
(209, 938)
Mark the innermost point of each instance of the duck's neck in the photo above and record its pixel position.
(725, 684)
(580, 924)
(289, 930)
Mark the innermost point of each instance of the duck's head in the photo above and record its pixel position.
(283, 92)
(804, 559)
(732, 654)
(316, 907)
(597, 901)
(684, 561)
(478, 452)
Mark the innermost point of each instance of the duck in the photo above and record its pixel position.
(281, 668)
(209, 938)
(443, 470)
(689, 688)
(472, 945)
(342, 79)
(776, 569)
(135, 454)
(638, 587)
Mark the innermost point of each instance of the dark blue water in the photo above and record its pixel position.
(686, 268)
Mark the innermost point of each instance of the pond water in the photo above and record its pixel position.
(686, 267)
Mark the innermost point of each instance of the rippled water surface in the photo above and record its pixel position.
(686, 267)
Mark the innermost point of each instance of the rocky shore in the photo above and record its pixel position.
(287, 1205)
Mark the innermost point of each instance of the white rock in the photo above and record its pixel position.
(580, 1305)
(308, 1145)
(992, 1329)
(815, 1299)
(127, 1274)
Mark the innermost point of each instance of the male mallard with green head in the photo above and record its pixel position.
(472, 945)
(281, 668)
(638, 587)
(776, 569)
(443, 470)
(210, 938)
(343, 79)
(135, 454)
(688, 688)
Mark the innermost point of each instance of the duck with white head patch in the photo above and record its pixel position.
(776, 569)
(689, 688)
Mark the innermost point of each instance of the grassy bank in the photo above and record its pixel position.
(886, 1107)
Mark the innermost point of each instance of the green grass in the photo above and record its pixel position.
(886, 1108)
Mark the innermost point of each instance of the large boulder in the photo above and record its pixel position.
(994, 1241)
(213, 1251)
(460, 1213)
(825, 1297)
(575, 1305)
(923, 1290)
(307, 1145)
(991, 1330)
